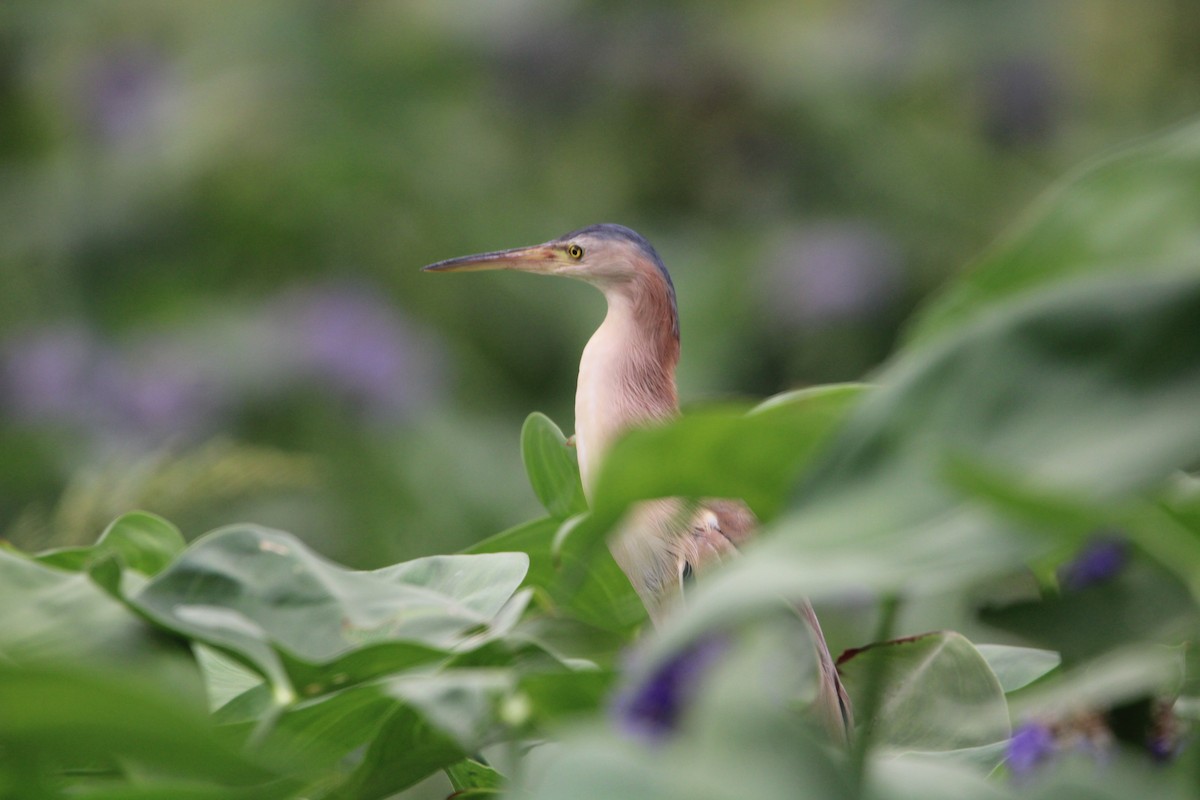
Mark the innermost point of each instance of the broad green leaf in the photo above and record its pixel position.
(938, 693)
(589, 586)
(1017, 667)
(438, 720)
(1133, 212)
(224, 678)
(301, 620)
(1143, 603)
(470, 775)
(1090, 390)
(141, 541)
(755, 456)
(48, 616)
(552, 468)
(740, 736)
(73, 717)
(1119, 676)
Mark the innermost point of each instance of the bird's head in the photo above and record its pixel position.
(611, 257)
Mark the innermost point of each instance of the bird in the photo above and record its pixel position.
(627, 380)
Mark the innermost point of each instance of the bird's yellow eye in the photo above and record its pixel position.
(575, 251)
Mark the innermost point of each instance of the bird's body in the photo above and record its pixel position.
(627, 380)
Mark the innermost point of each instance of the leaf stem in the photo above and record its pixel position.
(860, 746)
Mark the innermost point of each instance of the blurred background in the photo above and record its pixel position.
(213, 215)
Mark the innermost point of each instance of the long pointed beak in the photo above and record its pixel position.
(543, 258)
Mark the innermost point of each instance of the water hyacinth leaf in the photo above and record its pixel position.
(1090, 390)
(1124, 674)
(76, 717)
(264, 596)
(589, 585)
(48, 616)
(551, 466)
(438, 720)
(142, 541)
(469, 775)
(939, 693)
(725, 452)
(1017, 667)
(224, 678)
(1134, 212)
(738, 736)
(1143, 603)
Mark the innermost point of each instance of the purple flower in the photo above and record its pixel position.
(832, 271)
(652, 708)
(47, 375)
(1100, 560)
(354, 342)
(1031, 744)
(1020, 100)
(125, 93)
(67, 377)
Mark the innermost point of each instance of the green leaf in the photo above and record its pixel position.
(939, 693)
(588, 585)
(52, 617)
(1017, 667)
(439, 720)
(303, 621)
(1143, 603)
(726, 452)
(1090, 391)
(740, 736)
(224, 678)
(753, 456)
(552, 468)
(75, 716)
(1117, 677)
(141, 541)
(1133, 212)
(469, 774)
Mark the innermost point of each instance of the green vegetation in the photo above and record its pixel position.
(1024, 467)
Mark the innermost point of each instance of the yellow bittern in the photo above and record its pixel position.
(627, 379)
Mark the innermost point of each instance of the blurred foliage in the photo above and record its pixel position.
(1027, 467)
(212, 219)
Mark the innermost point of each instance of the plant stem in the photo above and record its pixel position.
(873, 693)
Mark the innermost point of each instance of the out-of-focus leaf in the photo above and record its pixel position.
(938, 693)
(739, 737)
(1133, 212)
(143, 542)
(73, 716)
(550, 463)
(589, 586)
(224, 678)
(440, 719)
(1119, 777)
(1016, 667)
(48, 616)
(949, 775)
(266, 597)
(725, 452)
(753, 456)
(1144, 603)
(1116, 677)
(469, 775)
(1091, 390)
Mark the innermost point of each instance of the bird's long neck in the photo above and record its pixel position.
(627, 373)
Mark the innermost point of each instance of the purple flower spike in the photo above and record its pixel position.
(652, 709)
(1100, 560)
(1031, 745)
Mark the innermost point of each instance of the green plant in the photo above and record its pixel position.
(1020, 466)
